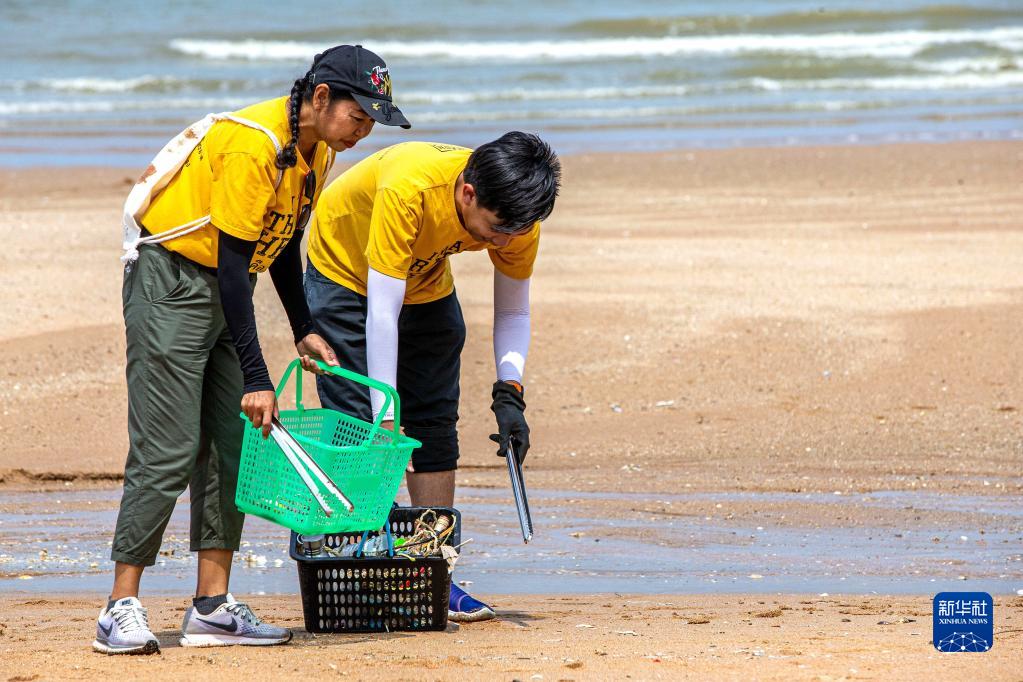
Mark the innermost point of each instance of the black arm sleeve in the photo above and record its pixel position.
(286, 272)
(236, 300)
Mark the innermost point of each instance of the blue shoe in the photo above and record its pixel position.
(463, 608)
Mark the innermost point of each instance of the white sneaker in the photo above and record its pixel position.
(124, 629)
(230, 623)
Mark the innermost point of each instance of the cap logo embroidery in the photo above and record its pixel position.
(380, 80)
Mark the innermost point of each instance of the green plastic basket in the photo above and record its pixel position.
(364, 461)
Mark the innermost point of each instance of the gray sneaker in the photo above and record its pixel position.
(230, 623)
(124, 629)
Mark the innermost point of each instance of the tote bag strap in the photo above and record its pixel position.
(161, 171)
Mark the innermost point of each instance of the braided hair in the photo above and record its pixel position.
(288, 157)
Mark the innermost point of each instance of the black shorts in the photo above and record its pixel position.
(430, 340)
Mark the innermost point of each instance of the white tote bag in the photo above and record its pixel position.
(161, 171)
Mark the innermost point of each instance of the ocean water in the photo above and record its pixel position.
(109, 83)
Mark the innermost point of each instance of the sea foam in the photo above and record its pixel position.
(879, 44)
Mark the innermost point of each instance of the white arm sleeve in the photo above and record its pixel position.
(385, 296)
(511, 326)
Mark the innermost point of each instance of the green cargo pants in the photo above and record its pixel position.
(184, 396)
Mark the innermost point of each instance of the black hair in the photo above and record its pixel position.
(517, 176)
(301, 92)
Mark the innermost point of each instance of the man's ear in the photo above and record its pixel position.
(468, 193)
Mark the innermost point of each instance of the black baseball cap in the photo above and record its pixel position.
(362, 73)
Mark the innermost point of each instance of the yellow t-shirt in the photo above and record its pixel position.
(230, 176)
(395, 212)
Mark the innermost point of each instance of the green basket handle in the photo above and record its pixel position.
(390, 395)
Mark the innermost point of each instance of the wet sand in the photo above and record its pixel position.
(588, 542)
(793, 325)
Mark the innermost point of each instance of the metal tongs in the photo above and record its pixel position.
(303, 464)
(519, 491)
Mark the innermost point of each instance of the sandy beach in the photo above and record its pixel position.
(739, 318)
(823, 321)
(560, 638)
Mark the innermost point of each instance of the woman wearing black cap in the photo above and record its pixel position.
(235, 205)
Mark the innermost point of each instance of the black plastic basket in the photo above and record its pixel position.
(375, 594)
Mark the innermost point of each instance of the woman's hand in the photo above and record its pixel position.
(312, 348)
(260, 407)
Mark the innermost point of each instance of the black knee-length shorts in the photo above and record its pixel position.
(430, 340)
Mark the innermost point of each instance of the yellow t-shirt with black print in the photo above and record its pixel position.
(395, 212)
(230, 175)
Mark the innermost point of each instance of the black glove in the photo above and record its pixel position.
(509, 407)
